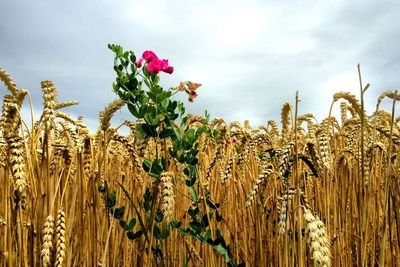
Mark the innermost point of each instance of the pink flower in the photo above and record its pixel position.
(154, 64)
(149, 56)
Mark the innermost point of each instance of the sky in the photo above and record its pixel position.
(250, 56)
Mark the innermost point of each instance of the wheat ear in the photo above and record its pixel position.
(49, 102)
(8, 81)
(106, 115)
(167, 196)
(61, 238)
(317, 240)
(262, 179)
(47, 244)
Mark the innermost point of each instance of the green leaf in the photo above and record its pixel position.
(165, 103)
(165, 233)
(156, 168)
(189, 138)
(218, 216)
(211, 204)
(157, 232)
(166, 133)
(193, 193)
(133, 58)
(159, 216)
(148, 198)
(152, 119)
(119, 51)
(207, 234)
(194, 213)
(147, 164)
(131, 224)
(220, 249)
(149, 130)
(123, 224)
(172, 105)
(133, 236)
(119, 212)
(177, 134)
(174, 117)
(186, 171)
(101, 188)
(176, 224)
(197, 227)
(190, 182)
(111, 200)
(181, 108)
(206, 117)
(139, 131)
(132, 84)
(205, 220)
(184, 120)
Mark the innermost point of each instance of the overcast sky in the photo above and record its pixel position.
(250, 56)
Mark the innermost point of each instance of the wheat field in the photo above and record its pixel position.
(292, 193)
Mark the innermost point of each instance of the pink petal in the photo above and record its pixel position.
(149, 56)
(152, 67)
(139, 63)
(168, 69)
(164, 62)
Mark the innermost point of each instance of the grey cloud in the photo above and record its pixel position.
(66, 43)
